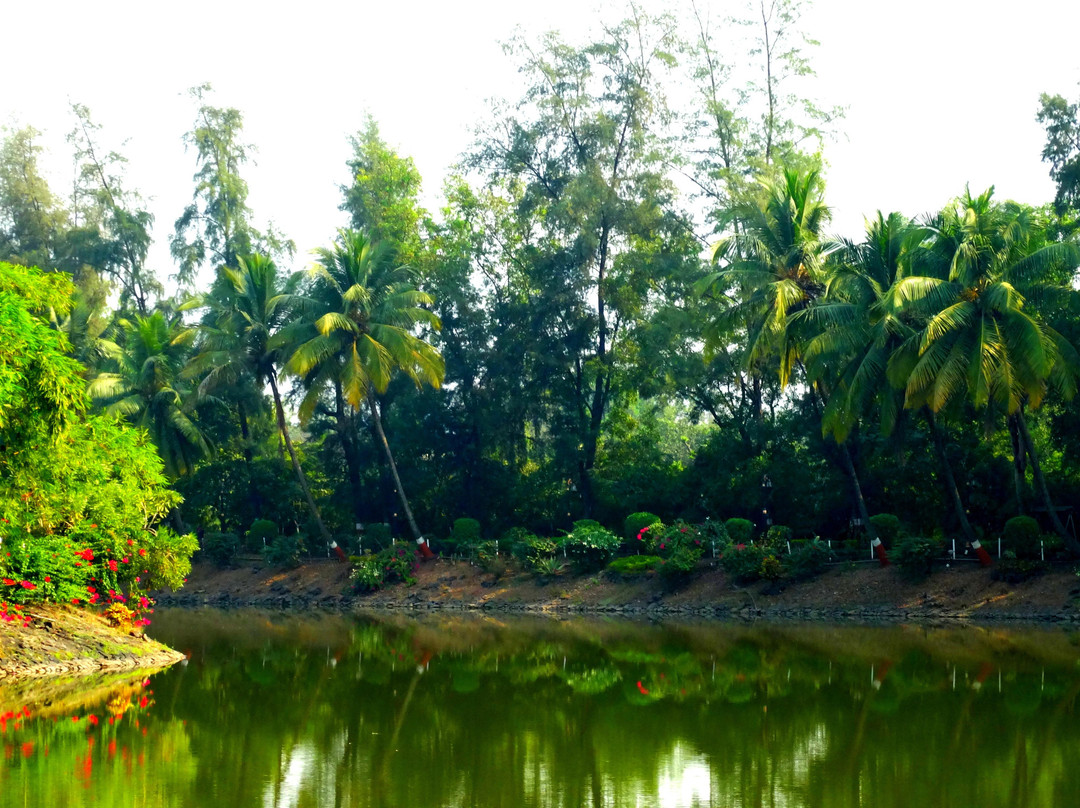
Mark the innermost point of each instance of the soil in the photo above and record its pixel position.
(865, 591)
(60, 640)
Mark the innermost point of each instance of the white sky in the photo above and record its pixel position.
(939, 92)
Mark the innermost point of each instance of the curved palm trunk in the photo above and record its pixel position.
(1019, 464)
(377, 420)
(348, 447)
(950, 480)
(1040, 484)
(283, 430)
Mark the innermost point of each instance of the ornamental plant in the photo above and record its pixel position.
(395, 564)
(743, 562)
(740, 530)
(591, 547)
(636, 521)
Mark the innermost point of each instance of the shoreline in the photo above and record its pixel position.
(867, 594)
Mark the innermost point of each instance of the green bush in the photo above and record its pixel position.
(1022, 535)
(635, 522)
(807, 559)
(915, 555)
(591, 546)
(713, 532)
(633, 566)
(393, 565)
(1018, 570)
(531, 550)
(261, 534)
(220, 549)
(464, 536)
(740, 531)
(284, 552)
(743, 562)
(777, 537)
(681, 562)
(888, 528)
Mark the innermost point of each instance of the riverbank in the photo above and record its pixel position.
(52, 640)
(962, 591)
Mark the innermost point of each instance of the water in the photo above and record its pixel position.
(279, 710)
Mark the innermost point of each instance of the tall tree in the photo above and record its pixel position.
(246, 310)
(362, 314)
(110, 228)
(984, 339)
(1062, 150)
(31, 217)
(217, 226)
(585, 148)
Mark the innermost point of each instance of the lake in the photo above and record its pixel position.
(277, 709)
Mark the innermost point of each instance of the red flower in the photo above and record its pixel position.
(663, 546)
(112, 564)
(86, 555)
(142, 551)
(48, 580)
(131, 542)
(9, 582)
(125, 560)
(641, 688)
(94, 720)
(27, 585)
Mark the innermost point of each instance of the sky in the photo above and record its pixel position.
(939, 93)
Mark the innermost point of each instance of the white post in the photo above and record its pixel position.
(1042, 550)
(999, 546)
(789, 548)
(954, 549)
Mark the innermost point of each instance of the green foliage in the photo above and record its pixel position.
(591, 546)
(464, 536)
(533, 551)
(379, 535)
(220, 549)
(284, 552)
(743, 562)
(740, 531)
(634, 566)
(1018, 570)
(390, 566)
(1022, 535)
(776, 538)
(261, 534)
(807, 559)
(888, 528)
(635, 522)
(915, 555)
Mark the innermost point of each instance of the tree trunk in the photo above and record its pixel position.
(950, 480)
(377, 419)
(245, 433)
(283, 430)
(1019, 466)
(348, 447)
(1040, 484)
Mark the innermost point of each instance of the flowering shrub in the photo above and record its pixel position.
(743, 562)
(776, 538)
(591, 547)
(395, 564)
(636, 521)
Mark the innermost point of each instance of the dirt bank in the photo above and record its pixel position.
(57, 640)
(863, 591)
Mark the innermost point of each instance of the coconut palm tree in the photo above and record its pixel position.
(146, 387)
(247, 307)
(983, 339)
(858, 328)
(362, 317)
(772, 268)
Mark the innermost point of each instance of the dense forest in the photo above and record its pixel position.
(629, 300)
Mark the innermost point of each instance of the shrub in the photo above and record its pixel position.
(740, 531)
(777, 537)
(548, 567)
(713, 532)
(395, 564)
(743, 562)
(635, 522)
(261, 534)
(887, 526)
(915, 555)
(284, 552)
(533, 550)
(464, 536)
(633, 566)
(1022, 535)
(771, 568)
(1017, 570)
(584, 523)
(807, 559)
(680, 563)
(220, 549)
(591, 547)
(679, 546)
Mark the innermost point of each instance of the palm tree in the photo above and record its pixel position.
(774, 270)
(363, 312)
(247, 308)
(858, 328)
(982, 341)
(147, 388)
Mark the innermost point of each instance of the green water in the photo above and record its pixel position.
(279, 710)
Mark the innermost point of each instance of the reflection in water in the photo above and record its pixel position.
(290, 712)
